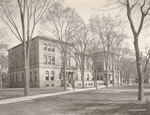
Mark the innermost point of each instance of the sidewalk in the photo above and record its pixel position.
(19, 99)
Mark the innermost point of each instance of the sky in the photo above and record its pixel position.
(86, 8)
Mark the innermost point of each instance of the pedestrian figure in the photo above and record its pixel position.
(73, 85)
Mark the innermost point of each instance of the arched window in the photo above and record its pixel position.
(52, 75)
(45, 46)
(49, 47)
(47, 75)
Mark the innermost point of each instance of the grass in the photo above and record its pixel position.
(111, 101)
(19, 92)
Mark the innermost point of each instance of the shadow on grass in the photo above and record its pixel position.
(108, 107)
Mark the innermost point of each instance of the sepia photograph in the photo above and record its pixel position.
(74, 57)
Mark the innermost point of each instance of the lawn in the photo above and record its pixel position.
(19, 92)
(111, 101)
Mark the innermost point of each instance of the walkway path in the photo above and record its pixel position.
(19, 99)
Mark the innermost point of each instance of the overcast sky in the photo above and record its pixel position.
(85, 8)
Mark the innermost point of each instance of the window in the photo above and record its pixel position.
(34, 47)
(10, 66)
(16, 64)
(22, 62)
(16, 53)
(69, 62)
(97, 77)
(10, 78)
(53, 48)
(22, 76)
(45, 59)
(19, 63)
(115, 67)
(30, 75)
(13, 65)
(101, 77)
(45, 46)
(22, 51)
(109, 66)
(47, 75)
(53, 60)
(13, 78)
(49, 47)
(47, 85)
(30, 49)
(35, 76)
(52, 75)
(35, 59)
(49, 59)
(87, 77)
(16, 78)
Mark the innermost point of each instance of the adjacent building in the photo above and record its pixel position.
(113, 67)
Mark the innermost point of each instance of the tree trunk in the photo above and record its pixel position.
(82, 75)
(139, 68)
(120, 78)
(65, 59)
(82, 71)
(1, 80)
(128, 80)
(96, 76)
(94, 79)
(106, 75)
(140, 89)
(26, 70)
(113, 71)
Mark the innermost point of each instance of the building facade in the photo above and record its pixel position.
(112, 67)
(45, 65)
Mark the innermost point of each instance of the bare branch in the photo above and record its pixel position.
(134, 4)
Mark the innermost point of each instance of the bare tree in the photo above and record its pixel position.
(142, 9)
(3, 56)
(111, 33)
(127, 64)
(93, 48)
(28, 13)
(60, 23)
(80, 39)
